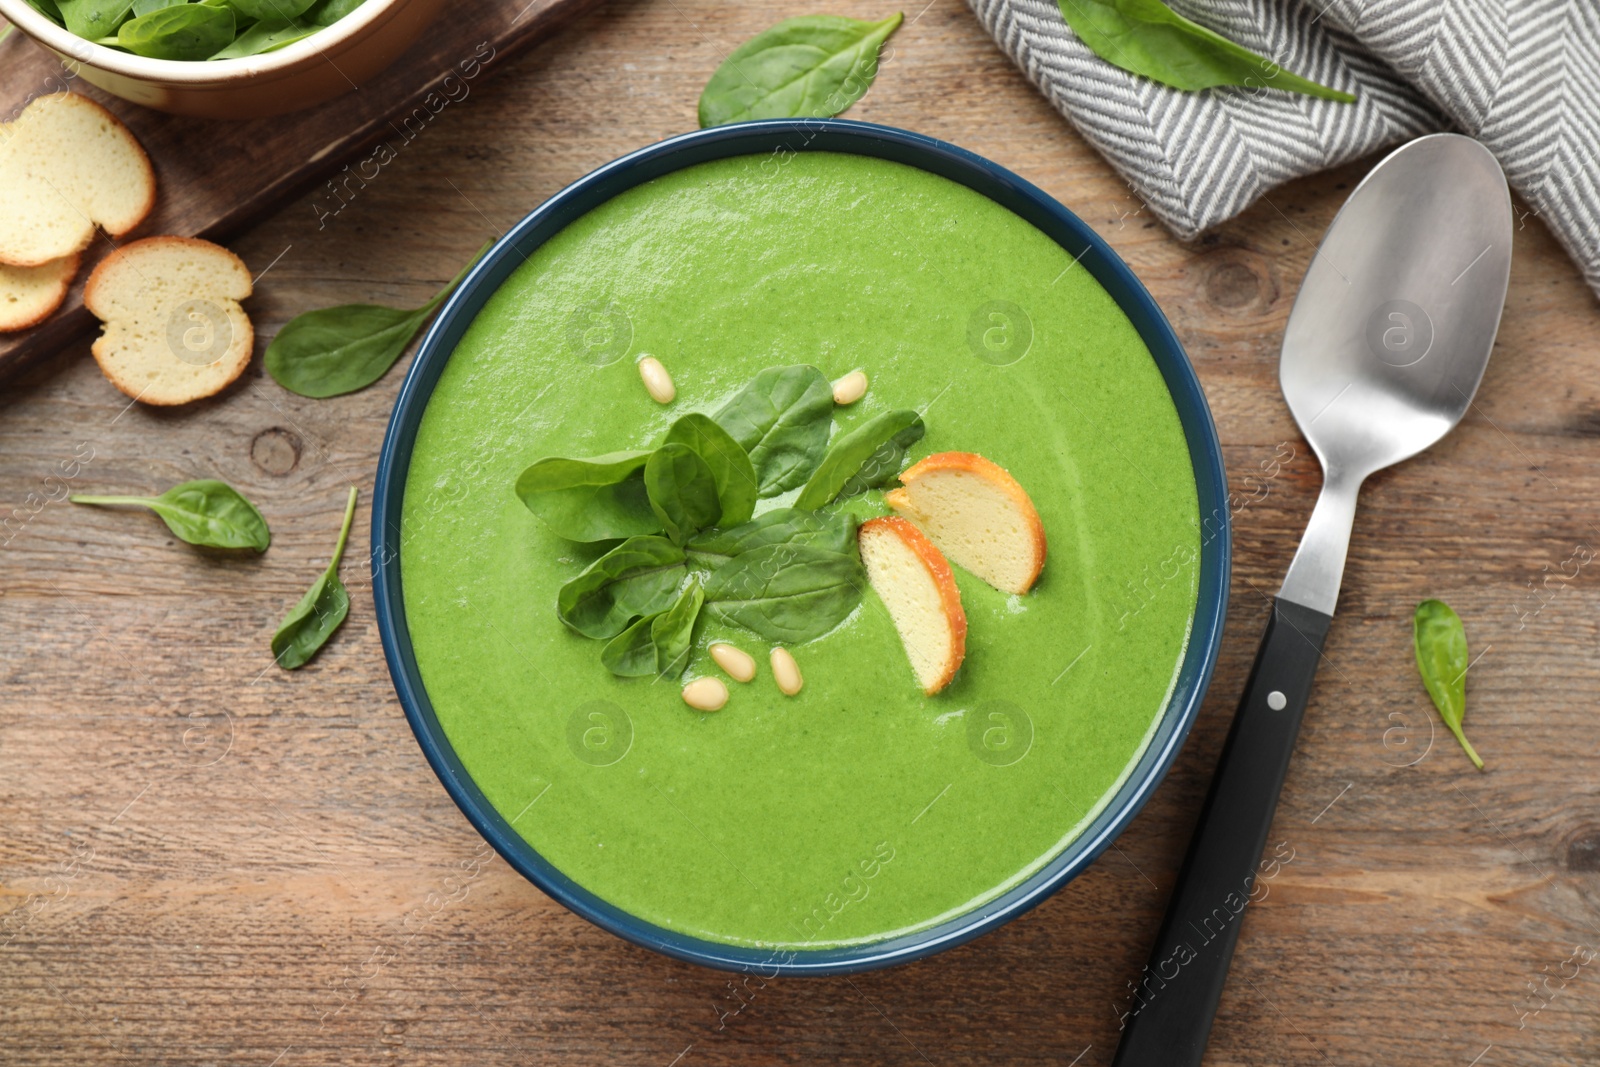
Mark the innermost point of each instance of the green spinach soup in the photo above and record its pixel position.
(860, 808)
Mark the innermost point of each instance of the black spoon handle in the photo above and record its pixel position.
(1168, 1017)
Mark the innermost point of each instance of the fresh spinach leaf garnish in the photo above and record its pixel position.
(337, 350)
(205, 512)
(672, 632)
(729, 463)
(597, 499)
(638, 577)
(632, 653)
(657, 644)
(787, 592)
(94, 19)
(1440, 641)
(780, 526)
(320, 612)
(866, 457)
(1148, 38)
(814, 66)
(781, 418)
(682, 491)
(184, 31)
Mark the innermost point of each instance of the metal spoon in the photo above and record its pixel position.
(1386, 344)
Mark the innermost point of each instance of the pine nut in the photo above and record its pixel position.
(740, 665)
(786, 672)
(706, 694)
(656, 380)
(850, 388)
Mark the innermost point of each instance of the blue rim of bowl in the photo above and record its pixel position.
(777, 137)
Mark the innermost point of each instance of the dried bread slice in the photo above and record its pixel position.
(29, 294)
(66, 165)
(978, 516)
(174, 330)
(914, 582)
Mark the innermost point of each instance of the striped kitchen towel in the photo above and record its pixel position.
(1522, 76)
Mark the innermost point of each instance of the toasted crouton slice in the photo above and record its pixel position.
(29, 294)
(977, 514)
(174, 330)
(66, 165)
(914, 581)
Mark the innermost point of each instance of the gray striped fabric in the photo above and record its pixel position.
(1523, 76)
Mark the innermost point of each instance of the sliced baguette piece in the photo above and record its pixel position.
(912, 578)
(174, 331)
(978, 516)
(29, 294)
(67, 165)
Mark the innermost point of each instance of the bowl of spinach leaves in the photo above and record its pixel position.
(224, 58)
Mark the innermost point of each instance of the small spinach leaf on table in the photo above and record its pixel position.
(1148, 38)
(338, 350)
(682, 491)
(205, 512)
(320, 612)
(866, 457)
(183, 31)
(808, 67)
(729, 463)
(781, 418)
(598, 499)
(638, 577)
(786, 593)
(780, 526)
(1440, 641)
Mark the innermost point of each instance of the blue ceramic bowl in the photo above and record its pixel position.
(940, 158)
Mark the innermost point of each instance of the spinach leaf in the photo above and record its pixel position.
(682, 491)
(1148, 38)
(657, 644)
(808, 67)
(266, 37)
(672, 632)
(632, 653)
(638, 577)
(1440, 641)
(787, 593)
(327, 12)
(590, 499)
(320, 612)
(729, 463)
(184, 31)
(144, 7)
(780, 526)
(48, 9)
(866, 457)
(278, 11)
(94, 19)
(781, 418)
(338, 350)
(205, 512)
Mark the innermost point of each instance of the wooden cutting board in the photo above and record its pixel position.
(215, 178)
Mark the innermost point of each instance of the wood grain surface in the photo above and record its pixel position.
(217, 179)
(206, 860)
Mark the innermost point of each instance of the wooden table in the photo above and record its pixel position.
(204, 859)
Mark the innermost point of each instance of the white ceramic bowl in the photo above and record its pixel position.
(332, 61)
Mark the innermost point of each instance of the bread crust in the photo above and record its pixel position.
(219, 375)
(996, 475)
(115, 227)
(23, 320)
(944, 581)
